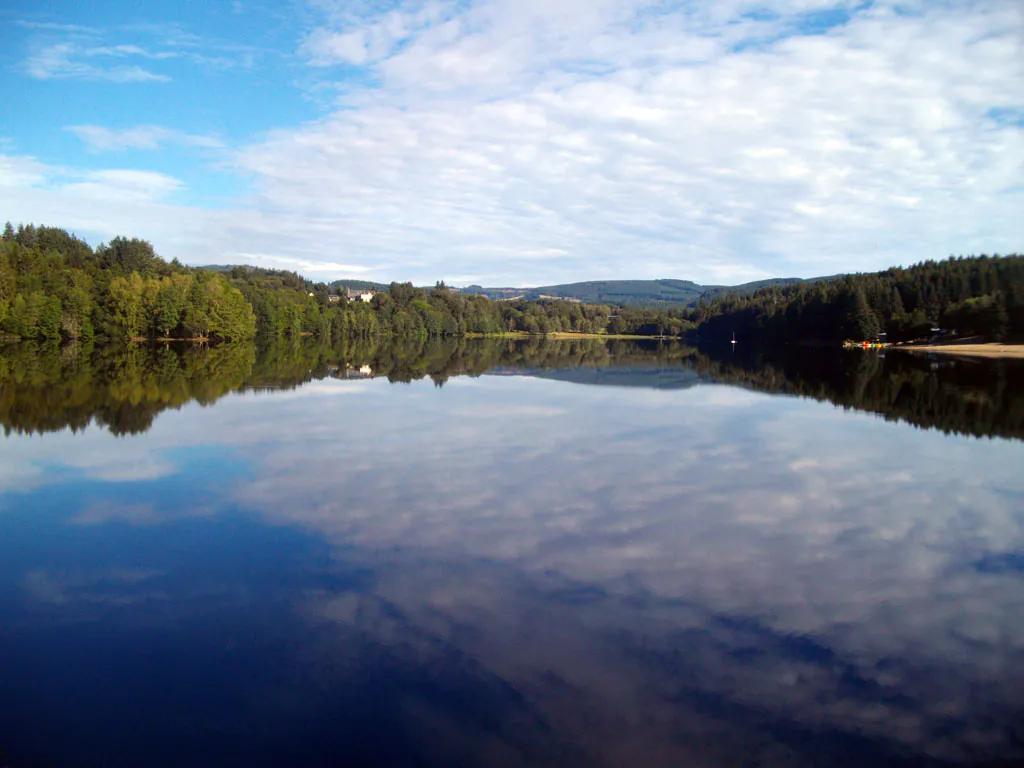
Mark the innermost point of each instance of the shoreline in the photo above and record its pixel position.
(559, 335)
(571, 335)
(987, 349)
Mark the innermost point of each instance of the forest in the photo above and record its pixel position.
(964, 296)
(54, 286)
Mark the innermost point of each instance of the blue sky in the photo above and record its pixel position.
(521, 141)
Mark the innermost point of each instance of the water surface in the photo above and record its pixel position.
(494, 553)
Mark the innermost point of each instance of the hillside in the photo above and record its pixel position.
(957, 297)
(643, 293)
(632, 292)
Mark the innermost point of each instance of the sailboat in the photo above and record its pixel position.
(734, 337)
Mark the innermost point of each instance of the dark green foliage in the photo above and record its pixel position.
(979, 398)
(125, 256)
(861, 322)
(287, 305)
(53, 286)
(962, 296)
(987, 315)
(340, 286)
(46, 387)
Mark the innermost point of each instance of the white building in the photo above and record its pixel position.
(363, 296)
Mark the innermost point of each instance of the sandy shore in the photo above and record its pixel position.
(976, 350)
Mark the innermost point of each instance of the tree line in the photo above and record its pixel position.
(288, 305)
(54, 286)
(962, 296)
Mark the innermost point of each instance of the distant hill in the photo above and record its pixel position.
(627, 291)
(633, 292)
(640, 293)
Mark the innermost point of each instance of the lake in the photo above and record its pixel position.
(509, 553)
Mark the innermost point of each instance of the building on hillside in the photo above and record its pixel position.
(365, 296)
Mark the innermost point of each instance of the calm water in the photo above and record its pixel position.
(509, 554)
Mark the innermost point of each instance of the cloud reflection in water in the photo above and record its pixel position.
(637, 576)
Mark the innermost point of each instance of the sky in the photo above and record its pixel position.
(520, 142)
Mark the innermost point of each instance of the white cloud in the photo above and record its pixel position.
(657, 145)
(324, 47)
(27, 178)
(305, 266)
(102, 204)
(531, 142)
(64, 61)
(17, 172)
(124, 185)
(358, 35)
(98, 138)
(72, 52)
(56, 27)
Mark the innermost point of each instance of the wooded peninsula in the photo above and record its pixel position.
(54, 286)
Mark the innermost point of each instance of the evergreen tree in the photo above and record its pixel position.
(862, 325)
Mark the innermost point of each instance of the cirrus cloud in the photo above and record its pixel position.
(530, 142)
(707, 141)
(99, 139)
